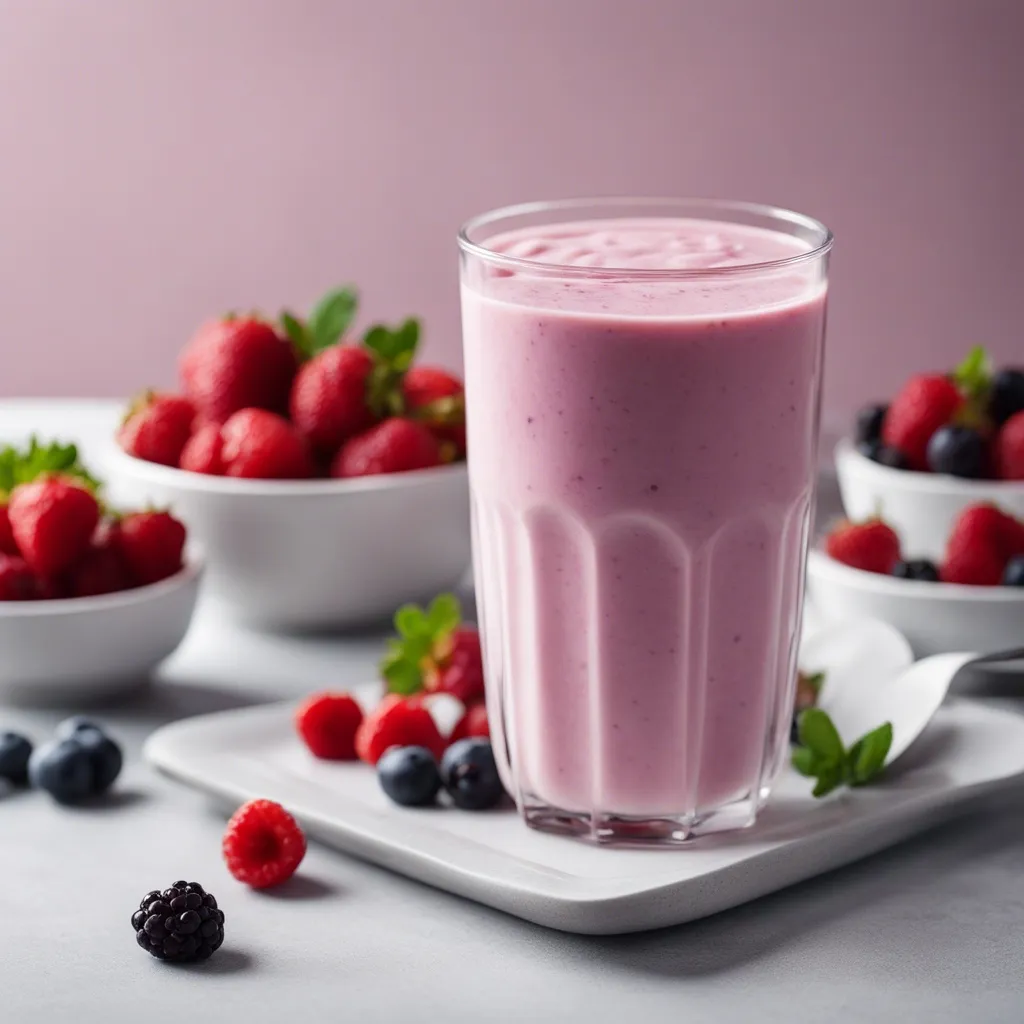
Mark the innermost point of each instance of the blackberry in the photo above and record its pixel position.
(181, 923)
(868, 426)
(883, 454)
(916, 569)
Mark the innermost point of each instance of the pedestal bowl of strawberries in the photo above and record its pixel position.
(323, 472)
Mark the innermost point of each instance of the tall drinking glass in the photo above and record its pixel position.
(642, 384)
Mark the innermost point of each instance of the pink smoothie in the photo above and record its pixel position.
(642, 456)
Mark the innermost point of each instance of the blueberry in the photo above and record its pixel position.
(15, 751)
(869, 423)
(64, 769)
(470, 775)
(958, 451)
(916, 569)
(1013, 574)
(883, 454)
(409, 776)
(104, 754)
(1006, 396)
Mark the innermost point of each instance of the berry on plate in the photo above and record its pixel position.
(958, 451)
(180, 924)
(329, 400)
(470, 776)
(925, 403)
(868, 425)
(237, 363)
(872, 546)
(1009, 449)
(151, 544)
(916, 569)
(327, 724)
(437, 399)
(409, 776)
(15, 752)
(397, 722)
(434, 651)
(397, 445)
(17, 581)
(1013, 574)
(203, 452)
(157, 427)
(982, 542)
(1006, 397)
(260, 445)
(53, 519)
(472, 723)
(263, 844)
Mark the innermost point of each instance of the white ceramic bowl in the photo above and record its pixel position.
(921, 507)
(313, 554)
(937, 618)
(91, 648)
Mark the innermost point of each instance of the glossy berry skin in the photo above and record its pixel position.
(104, 754)
(1013, 574)
(470, 776)
(181, 924)
(329, 402)
(436, 398)
(982, 541)
(872, 546)
(53, 520)
(1009, 449)
(103, 568)
(17, 581)
(157, 428)
(917, 569)
(237, 364)
(327, 723)
(258, 445)
(63, 769)
(958, 451)
(204, 451)
(395, 446)
(881, 453)
(868, 426)
(15, 752)
(263, 844)
(457, 666)
(152, 545)
(397, 722)
(473, 723)
(409, 776)
(8, 546)
(925, 403)
(1006, 395)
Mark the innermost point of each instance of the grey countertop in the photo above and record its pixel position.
(928, 931)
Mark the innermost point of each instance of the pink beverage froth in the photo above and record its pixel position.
(642, 458)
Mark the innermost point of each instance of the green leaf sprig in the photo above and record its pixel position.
(422, 632)
(331, 317)
(821, 755)
(23, 465)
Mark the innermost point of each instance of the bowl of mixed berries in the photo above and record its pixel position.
(946, 441)
(323, 473)
(91, 598)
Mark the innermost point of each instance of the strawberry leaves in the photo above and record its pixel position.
(974, 375)
(393, 351)
(330, 318)
(821, 755)
(421, 631)
(24, 466)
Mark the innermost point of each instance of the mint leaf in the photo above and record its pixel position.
(444, 614)
(815, 681)
(817, 732)
(332, 316)
(402, 676)
(974, 375)
(297, 334)
(411, 622)
(866, 758)
(829, 779)
(806, 762)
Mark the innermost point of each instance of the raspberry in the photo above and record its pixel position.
(327, 723)
(872, 546)
(157, 427)
(394, 446)
(982, 542)
(472, 723)
(263, 844)
(456, 666)
(397, 722)
(925, 403)
(1009, 449)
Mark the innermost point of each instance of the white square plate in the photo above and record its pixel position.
(562, 883)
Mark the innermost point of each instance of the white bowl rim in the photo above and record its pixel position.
(203, 482)
(67, 606)
(928, 483)
(824, 567)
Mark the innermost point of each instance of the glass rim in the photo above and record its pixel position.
(641, 203)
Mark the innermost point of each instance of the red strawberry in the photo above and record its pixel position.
(151, 544)
(456, 666)
(1009, 449)
(397, 722)
(437, 398)
(394, 446)
(925, 403)
(8, 546)
(327, 723)
(204, 451)
(103, 568)
(263, 844)
(53, 519)
(17, 581)
(872, 546)
(261, 445)
(157, 427)
(234, 364)
(982, 541)
(329, 400)
(472, 723)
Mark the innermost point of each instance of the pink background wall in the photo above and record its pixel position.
(164, 159)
